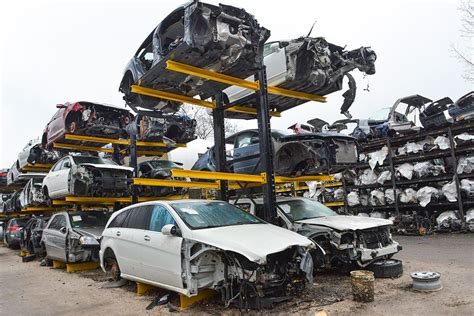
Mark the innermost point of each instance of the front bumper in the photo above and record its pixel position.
(368, 255)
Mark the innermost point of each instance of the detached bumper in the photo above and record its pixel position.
(371, 254)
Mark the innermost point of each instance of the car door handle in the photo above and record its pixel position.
(117, 233)
(147, 238)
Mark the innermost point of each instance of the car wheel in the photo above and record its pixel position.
(390, 268)
(6, 242)
(111, 265)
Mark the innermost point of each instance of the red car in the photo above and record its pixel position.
(86, 118)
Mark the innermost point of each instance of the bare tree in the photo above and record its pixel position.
(465, 55)
(205, 125)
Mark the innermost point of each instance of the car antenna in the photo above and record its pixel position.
(311, 29)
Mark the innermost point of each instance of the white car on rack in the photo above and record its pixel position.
(87, 176)
(190, 245)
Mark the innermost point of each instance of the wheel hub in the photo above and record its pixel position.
(426, 281)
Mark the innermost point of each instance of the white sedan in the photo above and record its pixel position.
(87, 176)
(190, 245)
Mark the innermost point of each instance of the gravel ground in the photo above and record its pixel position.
(28, 288)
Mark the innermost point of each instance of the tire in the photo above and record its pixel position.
(112, 265)
(390, 268)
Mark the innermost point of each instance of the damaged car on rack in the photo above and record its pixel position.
(34, 153)
(219, 38)
(188, 246)
(73, 237)
(306, 64)
(349, 242)
(87, 176)
(294, 154)
(156, 126)
(31, 234)
(160, 169)
(86, 118)
(32, 194)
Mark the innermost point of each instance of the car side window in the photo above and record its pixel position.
(58, 165)
(66, 164)
(138, 218)
(244, 206)
(159, 218)
(55, 223)
(119, 220)
(244, 140)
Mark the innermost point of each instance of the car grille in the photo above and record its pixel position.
(375, 238)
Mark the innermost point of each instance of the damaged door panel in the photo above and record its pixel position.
(191, 245)
(306, 64)
(32, 194)
(220, 38)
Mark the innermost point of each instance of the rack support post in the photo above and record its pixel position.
(219, 141)
(133, 161)
(266, 147)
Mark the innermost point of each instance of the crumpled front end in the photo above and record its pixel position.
(39, 155)
(177, 128)
(241, 282)
(81, 247)
(91, 181)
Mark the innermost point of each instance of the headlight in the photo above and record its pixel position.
(86, 240)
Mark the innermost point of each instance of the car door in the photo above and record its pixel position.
(54, 239)
(246, 154)
(57, 125)
(118, 232)
(161, 254)
(62, 178)
(50, 180)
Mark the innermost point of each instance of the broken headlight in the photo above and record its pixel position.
(88, 241)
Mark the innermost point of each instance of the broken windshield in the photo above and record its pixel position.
(298, 210)
(198, 215)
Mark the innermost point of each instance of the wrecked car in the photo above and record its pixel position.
(16, 177)
(306, 64)
(3, 177)
(349, 241)
(11, 238)
(158, 127)
(32, 193)
(86, 118)
(463, 109)
(74, 236)
(159, 169)
(12, 203)
(34, 153)
(436, 114)
(188, 246)
(219, 38)
(30, 235)
(87, 176)
(302, 154)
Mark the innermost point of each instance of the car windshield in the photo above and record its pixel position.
(298, 210)
(206, 214)
(87, 220)
(163, 164)
(94, 160)
(380, 115)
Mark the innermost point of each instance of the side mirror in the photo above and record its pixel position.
(61, 106)
(63, 230)
(169, 230)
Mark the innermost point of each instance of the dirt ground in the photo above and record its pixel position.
(29, 289)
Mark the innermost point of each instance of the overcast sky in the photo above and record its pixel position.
(58, 51)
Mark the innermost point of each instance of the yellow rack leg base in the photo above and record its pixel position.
(82, 266)
(143, 288)
(58, 264)
(185, 302)
(24, 253)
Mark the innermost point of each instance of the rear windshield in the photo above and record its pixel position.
(87, 220)
(199, 215)
(93, 160)
(20, 221)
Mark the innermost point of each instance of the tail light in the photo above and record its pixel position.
(3, 174)
(13, 228)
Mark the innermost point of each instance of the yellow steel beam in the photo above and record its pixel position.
(334, 204)
(162, 198)
(185, 301)
(175, 183)
(6, 188)
(236, 186)
(280, 179)
(82, 148)
(143, 288)
(58, 264)
(219, 77)
(149, 153)
(35, 169)
(60, 202)
(158, 144)
(40, 165)
(38, 209)
(246, 110)
(81, 266)
(89, 200)
(171, 96)
(94, 139)
(211, 175)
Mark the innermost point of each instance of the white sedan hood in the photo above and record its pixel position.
(254, 241)
(104, 166)
(341, 222)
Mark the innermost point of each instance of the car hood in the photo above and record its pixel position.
(254, 241)
(94, 232)
(342, 222)
(103, 166)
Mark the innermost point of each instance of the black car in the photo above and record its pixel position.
(220, 38)
(436, 115)
(11, 238)
(30, 235)
(159, 169)
(294, 154)
(463, 109)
